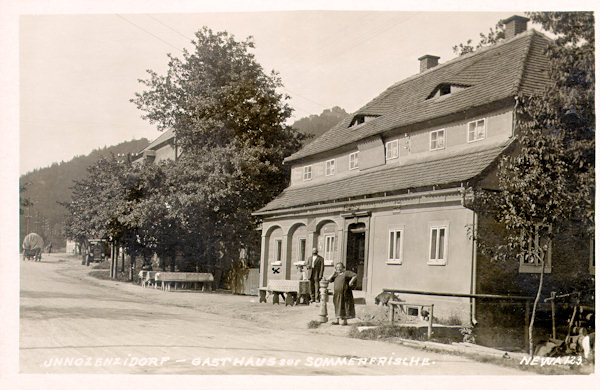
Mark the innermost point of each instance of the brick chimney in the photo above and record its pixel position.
(428, 61)
(514, 25)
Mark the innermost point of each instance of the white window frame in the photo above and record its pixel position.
(307, 173)
(277, 251)
(330, 167)
(301, 255)
(353, 161)
(476, 136)
(443, 138)
(440, 258)
(395, 253)
(391, 150)
(329, 248)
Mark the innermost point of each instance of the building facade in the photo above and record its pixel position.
(385, 190)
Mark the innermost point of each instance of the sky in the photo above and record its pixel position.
(79, 71)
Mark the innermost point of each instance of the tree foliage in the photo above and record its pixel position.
(229, 120)
(315, 125)
(49, 189)
(229, 123)
(547, 182)
(23, 199)
(215, 94)
(493, 36)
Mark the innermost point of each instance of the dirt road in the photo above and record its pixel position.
(73, 323)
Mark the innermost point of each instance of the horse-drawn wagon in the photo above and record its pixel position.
(32, 247)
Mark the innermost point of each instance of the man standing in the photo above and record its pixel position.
(315, 266)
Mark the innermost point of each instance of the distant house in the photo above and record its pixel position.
(385, 190)
(162, 148)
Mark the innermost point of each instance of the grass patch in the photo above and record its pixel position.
(104, 274)
(453, 320)
(387, 332)
(100, 274)
(102, 265)
(446, 335)
(313, 324)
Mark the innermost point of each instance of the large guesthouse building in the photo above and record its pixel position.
(384, 190)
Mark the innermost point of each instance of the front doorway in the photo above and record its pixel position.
(355, 252)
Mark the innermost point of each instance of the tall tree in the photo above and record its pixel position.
(548, 182)
(229, 120)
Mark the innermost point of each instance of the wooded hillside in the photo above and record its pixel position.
(46, 188)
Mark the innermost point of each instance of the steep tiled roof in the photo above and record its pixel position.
(154, 145)
(492, 74)
(167, 135)
(452, 169)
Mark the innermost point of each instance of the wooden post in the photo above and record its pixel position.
(430, 325)
(114, 255)
(112, 261)
(116, 260)
(527, 313)
(553, 296)
(131, 264)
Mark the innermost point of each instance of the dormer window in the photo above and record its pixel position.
(445, 89)
(359, 119)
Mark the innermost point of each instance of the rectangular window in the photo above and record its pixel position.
(395, 246)
(437, 139)
(354, 160)
(438, 245)
(329, 167)
(329, 248)
(301, 249)
(476, 130)
(391, 150)
(307, 172)
(278, 251)
(530, 261)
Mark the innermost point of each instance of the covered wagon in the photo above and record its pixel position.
(32, 247)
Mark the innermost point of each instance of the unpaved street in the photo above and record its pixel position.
(73, 323)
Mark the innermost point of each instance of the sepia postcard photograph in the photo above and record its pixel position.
(296, 194)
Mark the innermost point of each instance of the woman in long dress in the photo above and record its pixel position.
(343, 281)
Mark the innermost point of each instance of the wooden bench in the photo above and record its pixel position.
(290, 290)
(183, 279)
(147, 278)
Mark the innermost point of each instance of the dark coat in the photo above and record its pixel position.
(315, 272)
(343, 301)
